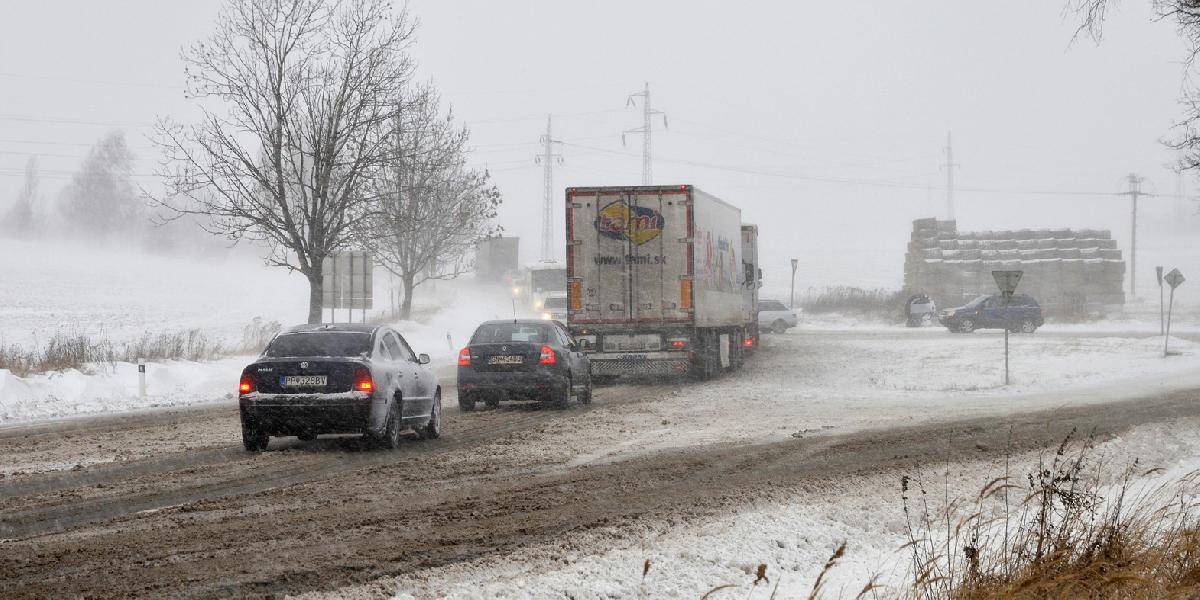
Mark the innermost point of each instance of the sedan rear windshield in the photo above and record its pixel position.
(511, 332)
(324, 343)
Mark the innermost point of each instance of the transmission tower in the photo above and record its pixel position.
(949, 168)
(548, 158)
(646, 129)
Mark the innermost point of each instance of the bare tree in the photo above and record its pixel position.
(1091, 16)
(101, 202)
(306, 87)
(432, 208)
(21, 218)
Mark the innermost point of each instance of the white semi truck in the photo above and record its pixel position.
(656, 282)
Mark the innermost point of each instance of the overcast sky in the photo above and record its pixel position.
(824, 122)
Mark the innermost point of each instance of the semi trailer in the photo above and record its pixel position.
(656, 283)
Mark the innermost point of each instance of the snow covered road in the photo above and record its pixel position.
(702, 479)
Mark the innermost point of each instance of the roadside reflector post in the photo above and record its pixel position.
(795, 264)
(449, 341)
(141, 378)
(1173, 279)
(1007, 281)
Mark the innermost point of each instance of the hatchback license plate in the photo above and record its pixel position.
(506, 360)
(303, 380)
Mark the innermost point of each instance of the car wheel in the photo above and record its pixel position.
(254, 439)
(561, 399)
(466, 401)
(966, 325)
(927, 320)
(585, 397)
(433, 429)
(779, 326)
(307, 436)
(391, 433)
(492, 400)
(1027, 326)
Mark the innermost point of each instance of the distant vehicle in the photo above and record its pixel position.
(542, 280)
(655, 279)
(315, 379)
(1021, 314)
(920, 311)
(773, 316)
(522, 359)
(554, 307)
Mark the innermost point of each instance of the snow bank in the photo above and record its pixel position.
(73, 393)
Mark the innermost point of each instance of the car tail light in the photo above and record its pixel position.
(547, 357)
(363, 381)
(246, 385)
(464, 357)
(748, 342)
(678, 343)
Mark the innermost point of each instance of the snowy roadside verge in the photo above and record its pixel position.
(74, 393)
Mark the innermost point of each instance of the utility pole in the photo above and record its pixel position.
(646, 129)
(949, 168)
(1134, 192)
(547, 159)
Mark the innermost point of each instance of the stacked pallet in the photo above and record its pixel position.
(1065, 269)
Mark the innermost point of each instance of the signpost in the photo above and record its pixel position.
(1173, 279)
(795, 263)
(347, 283)
(1159, 272)
(1007, 281)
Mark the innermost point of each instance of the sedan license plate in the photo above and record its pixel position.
(303, 380)
(506, 360)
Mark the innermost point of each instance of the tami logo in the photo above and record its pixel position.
(637, 224)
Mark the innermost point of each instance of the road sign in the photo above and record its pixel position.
(1174, 278)
(1007, 281)
(347, 280)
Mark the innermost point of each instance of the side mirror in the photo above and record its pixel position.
(423, 359)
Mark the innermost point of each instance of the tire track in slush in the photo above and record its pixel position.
(74, 513)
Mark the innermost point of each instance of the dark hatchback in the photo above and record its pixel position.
(522, 360)
(1020, 314)
(316, 379)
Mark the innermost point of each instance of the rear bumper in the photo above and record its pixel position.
(514, 382)
(292, 414)
(640, 363)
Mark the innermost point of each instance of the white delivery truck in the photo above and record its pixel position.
(655, 280)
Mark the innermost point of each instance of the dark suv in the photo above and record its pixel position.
(1021, 314)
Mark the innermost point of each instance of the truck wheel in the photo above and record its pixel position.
(1027, 326)
(779, 326)
(253, 439)
(966, 325)
(466, 401)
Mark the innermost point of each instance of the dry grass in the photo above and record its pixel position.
(1055, 536)
(72, 350)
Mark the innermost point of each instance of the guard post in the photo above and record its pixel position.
(141, 378)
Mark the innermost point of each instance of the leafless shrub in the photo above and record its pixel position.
(846, 299)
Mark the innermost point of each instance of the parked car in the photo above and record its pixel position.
(920, 311)
(773, 316)
(522, 359)
(315, 379)
(1022, 314)
(554, 307)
